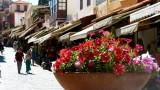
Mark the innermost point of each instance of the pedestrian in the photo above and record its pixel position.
(33, 55)
(14, 45)
(28, 61)
(1, 47)
(19, 56)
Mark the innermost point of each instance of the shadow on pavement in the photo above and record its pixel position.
(23, 74)
(31, 74)
(2, 59)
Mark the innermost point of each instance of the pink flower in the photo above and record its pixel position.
(127, 40)
(101, 30)
(105, 33)
(91, 33)
(78, 64)
(139, 47)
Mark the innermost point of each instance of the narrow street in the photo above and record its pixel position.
(10, 79)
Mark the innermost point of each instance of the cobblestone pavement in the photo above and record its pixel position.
(10, 79)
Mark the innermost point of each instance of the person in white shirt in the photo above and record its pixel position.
(28, 61)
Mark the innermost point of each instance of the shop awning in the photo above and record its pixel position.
(68, 26)
(17, 29)
(81, 34)
(36, 32)
(40, 34)
(44, 38)
(6, 31)
(17, 33)
(59, 31)
(129, 29)
(146, 12)
(66, 36)
(114, 19)
(31, 35)
(28, 30)
(103, 23)
(34, 38)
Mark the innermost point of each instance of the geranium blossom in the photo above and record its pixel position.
(119, 69)
(105, 54)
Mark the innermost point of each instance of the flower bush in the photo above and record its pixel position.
(105, 54)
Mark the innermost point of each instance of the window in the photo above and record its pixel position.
(25, 8)
(88, 2)
(62, 0)
(81, 4)
(62, 5)
(18, 7)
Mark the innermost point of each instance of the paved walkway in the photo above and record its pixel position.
(10, 79)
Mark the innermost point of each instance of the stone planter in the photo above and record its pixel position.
(102, 81)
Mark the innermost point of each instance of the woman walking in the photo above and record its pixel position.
(28, 61)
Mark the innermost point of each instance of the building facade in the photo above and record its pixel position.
(112, 5)
(17, 10)
(67, 10)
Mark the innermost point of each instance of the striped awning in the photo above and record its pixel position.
(81, 34)
(66, 36)
(146, 12)
(17, 28)
(28, 30)
(126, 30)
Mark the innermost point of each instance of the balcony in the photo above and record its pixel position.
(146, 12)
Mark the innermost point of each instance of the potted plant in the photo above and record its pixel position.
(104, 63)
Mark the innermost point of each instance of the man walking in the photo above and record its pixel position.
(19, 56)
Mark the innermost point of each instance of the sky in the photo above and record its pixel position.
(34, 2)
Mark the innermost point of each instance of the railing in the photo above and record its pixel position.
(148, 11)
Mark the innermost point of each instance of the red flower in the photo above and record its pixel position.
(127, 58)
(118, 58)
(75, 48)
(90, 63)
(96, 53)
(81, 58)
(88, 43)
(90, 55)
(63, 51)
(126, 48)
(105, 57)
(118, 69)
(98, 42)
(57, 64)
(85, 52)
(118, 51)
(135, 52)
(80, 46)
(111, 47)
